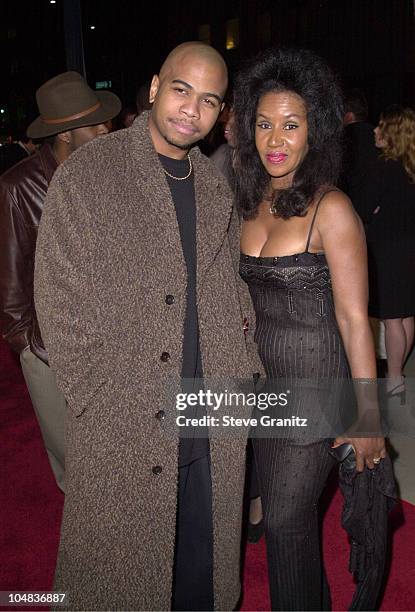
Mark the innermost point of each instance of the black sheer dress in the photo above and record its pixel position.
(298, 338)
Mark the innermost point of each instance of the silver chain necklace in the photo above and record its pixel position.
(181, 178)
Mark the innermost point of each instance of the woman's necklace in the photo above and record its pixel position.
(270, 197)
(181, 178)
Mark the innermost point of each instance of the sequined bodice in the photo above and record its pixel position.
(296, 327)
(302, 271)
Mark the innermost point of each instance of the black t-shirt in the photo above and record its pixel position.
(183, 195)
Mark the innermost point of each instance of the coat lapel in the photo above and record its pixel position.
(213, 205)
(213, 211)
(155, 197)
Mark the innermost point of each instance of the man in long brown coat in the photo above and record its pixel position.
(136, 285)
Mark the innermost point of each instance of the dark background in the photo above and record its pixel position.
(370, 43)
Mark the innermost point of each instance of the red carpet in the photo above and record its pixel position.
(31, 506)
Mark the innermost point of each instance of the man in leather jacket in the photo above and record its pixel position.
(71, 114)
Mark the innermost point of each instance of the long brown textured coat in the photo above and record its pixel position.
(108, 253)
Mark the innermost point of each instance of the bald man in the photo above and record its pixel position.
(137, 295)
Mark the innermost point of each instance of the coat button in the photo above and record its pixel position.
(160, 415)
(169, 299)
(157, 469)
(165, 356)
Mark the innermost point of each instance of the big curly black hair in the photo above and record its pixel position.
(306, 74)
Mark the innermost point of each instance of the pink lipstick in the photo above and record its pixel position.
(276, 158)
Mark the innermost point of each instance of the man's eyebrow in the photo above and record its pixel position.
(207, 93)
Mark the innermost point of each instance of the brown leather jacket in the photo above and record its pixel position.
(22, 193)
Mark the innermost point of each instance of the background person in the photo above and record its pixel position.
(360, 154)
(390, 236)
(21, 147)
(223, 156)
(126, 117)
(142, 99)
(71, 114)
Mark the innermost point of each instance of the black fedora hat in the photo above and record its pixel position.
(67, 102)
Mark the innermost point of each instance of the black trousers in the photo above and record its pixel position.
(193, 566)
(291, 478)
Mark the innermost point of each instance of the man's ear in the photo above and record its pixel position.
(64, 137)
(154, 87)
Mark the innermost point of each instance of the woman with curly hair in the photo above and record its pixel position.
(303, 256)
(390, 237)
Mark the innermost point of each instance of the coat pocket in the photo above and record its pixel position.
(81, 406)
(85, 386)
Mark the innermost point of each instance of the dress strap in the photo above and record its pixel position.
(314, 217)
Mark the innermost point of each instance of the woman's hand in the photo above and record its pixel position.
(366, 450)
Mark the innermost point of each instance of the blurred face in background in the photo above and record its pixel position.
(82, 135)
(380, 142)
(229, 132)
(129, 118)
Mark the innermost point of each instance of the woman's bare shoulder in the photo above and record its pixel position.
(336, 208)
